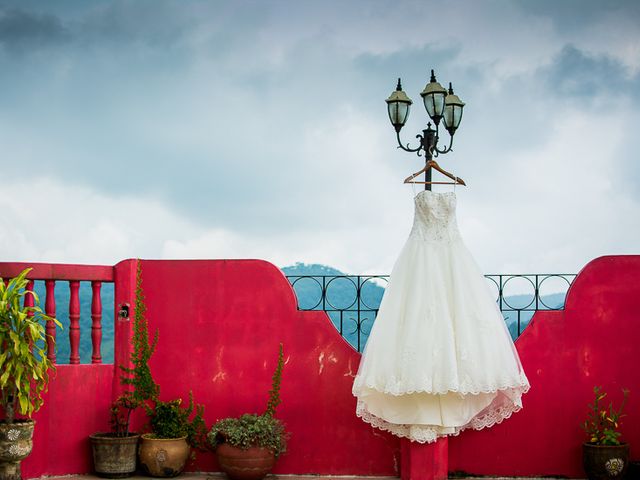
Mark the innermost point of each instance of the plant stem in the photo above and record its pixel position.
(10, 413)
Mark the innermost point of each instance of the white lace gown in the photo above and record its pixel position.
(439, 358)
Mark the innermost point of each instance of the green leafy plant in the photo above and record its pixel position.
(251, 430)
(142, 389)
(170, 420)
(166, 419)
(602, 423)
(24, 366)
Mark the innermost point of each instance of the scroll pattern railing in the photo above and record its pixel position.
(352, 301)
(53, 275)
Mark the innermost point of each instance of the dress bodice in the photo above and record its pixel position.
(435, 217)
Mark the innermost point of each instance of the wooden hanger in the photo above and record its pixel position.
(433, 164)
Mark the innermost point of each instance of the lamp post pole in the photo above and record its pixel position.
(440, 105)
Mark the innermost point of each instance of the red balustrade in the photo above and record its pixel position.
(74, 274)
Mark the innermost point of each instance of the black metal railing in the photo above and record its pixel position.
(352, 301)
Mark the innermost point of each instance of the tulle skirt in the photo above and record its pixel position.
(439, 358)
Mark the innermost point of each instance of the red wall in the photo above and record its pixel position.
(594, 341)
(76, 406)
(220, 324)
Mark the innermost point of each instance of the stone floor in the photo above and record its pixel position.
(221, 476)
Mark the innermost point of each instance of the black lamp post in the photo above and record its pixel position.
(441, 105)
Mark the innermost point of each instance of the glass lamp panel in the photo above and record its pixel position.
(457, 115)
(448, 116)
(398, 113)
(429, 104)
(438, 101)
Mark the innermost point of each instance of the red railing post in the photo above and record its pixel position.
(28, 298)
(96, 322)
(74, 321)
(29, 302)
(50, 309)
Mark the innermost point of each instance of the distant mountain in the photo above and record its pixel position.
(341, 295)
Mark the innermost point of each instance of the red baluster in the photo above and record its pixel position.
(96, 322)
(74, 321)
(29, 302)
(50, 309)
(28, 298)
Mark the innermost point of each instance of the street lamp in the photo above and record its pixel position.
(441, 105)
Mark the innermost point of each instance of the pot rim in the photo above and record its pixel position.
(595, 445)
(19, 421)
(111, 435)
(245, 449)
(149, 436)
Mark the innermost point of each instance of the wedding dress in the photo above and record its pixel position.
(439, 358)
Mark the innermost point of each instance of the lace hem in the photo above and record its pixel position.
(519, 383)
(430, 433)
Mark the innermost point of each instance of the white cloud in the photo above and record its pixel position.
(219, 132)
(47, 221)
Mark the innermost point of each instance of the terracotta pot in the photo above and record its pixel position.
(114, 457)
(16, 442)
(251, 464)
(163, 457)
(605, 462)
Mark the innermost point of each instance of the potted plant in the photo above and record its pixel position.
(247, 446)
(115, 452)
(603, 455)
(174, 431)
(24, 370)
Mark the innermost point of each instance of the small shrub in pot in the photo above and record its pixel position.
(247, 446)
(604, 456)
(24, 370)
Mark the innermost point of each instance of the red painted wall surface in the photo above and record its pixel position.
(594, 341)
(220, 324)
(76, 406)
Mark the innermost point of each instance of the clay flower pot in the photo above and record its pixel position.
(605, 462)
(251, 464)
(114, 457)
(163, 457)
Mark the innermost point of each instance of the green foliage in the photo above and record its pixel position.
(166, 419)
(24, 364)
(121, 414)
(139, 377)
(143, 389)
(276, 380)
(602, 423)
(251, 430)
(170, 420)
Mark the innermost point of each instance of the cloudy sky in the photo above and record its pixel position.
(211, 129)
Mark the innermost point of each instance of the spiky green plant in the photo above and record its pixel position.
(24, 366)
(251, 430)
(143, 390)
